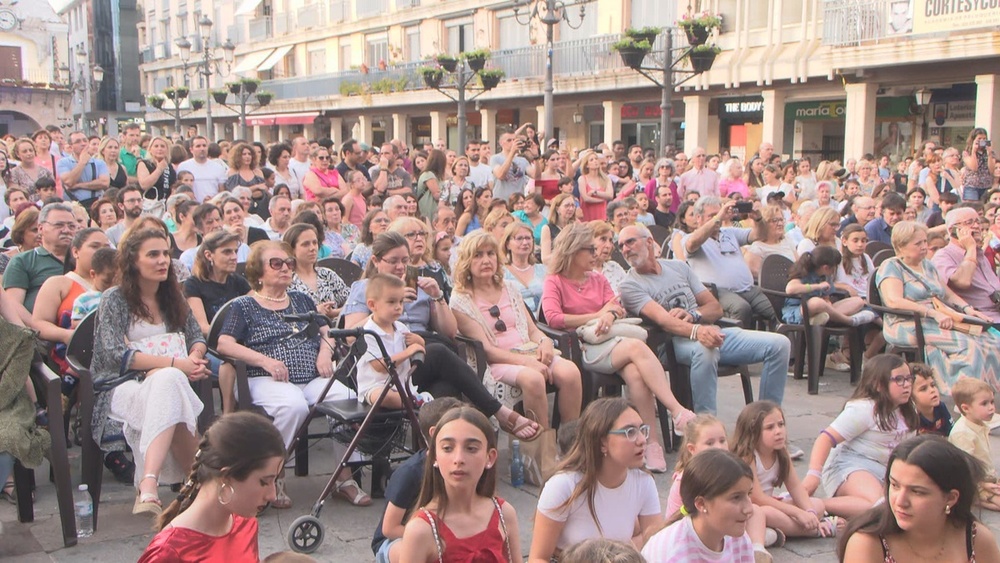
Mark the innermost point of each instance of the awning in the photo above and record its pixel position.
(251, 61)
(305, 118)
(276, 56)
(247, 7)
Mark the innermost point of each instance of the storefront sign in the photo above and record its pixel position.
(941, 16)
(813, 111)
(952, 114)
(741, 110)
(640, 112)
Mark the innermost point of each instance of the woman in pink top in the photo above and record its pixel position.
(595, 189)
(732, 180)
(321, 181)
(491, 310)
(355, 206)
(574, 295)
(45, 158)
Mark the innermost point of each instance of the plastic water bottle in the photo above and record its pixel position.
(84, 508)
(516, 464)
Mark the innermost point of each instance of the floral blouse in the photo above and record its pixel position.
(329, 287)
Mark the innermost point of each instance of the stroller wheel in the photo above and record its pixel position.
(306, 534)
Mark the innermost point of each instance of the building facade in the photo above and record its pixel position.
(819, 78)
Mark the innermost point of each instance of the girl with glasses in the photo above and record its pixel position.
(600, 488)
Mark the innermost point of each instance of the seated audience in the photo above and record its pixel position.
(964, 265)
(327, 290)
(517, 253)
(375, 223)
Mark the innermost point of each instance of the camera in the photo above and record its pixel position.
(744, 206)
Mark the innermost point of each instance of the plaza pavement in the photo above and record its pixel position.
(122, 537)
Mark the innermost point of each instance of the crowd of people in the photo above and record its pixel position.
(155, 236)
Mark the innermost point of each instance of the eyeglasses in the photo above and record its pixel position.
(64, 225)
(902, 380)
(381, 221)
(277, 263)
(631, 433)
(322, 158)
(396, 262)
(416, 234)
(591, 249)
(628, 242)
(522, 239)
(500, 326)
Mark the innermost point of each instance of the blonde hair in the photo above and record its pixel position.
(602, 228)
(692, 432)
(508, 234)
(570, 240)
(818, 220)
(964, 391)
(402, 223)
(494, 217)
(471, 244)
(904, 231)
(554, 208)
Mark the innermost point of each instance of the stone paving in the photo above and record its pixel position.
(122, 537)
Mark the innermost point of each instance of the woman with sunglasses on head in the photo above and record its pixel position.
(322, 180)
(600, 488)
(287, 368)
(416, 234)
(425, 312)
(517, 250)
(575, 295)
(491, 311)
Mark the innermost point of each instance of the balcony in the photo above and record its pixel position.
(260, 28)
(310, 16)
(371, 8)
(284, 23)
(339, 9)
(853, 22)
(581, 57)
(146, 55)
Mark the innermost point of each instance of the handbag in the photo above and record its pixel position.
(539, 454)
(625, 328)
(168, 344)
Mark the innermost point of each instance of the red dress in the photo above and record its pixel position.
(182, 545)
(488, 546)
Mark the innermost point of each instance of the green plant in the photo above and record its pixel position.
(264, 97)
(630, 44)
(705, 19)
(476, 54)
(706, 49)
(643, 31)
(250, 81)
(445, 57)
(197, 103)
(350, 88)
(491, 73)
(156, 101)
(182, 91)
(170, 93)
(431, 71)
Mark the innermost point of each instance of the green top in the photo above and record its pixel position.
(129, 160)
(29, 270)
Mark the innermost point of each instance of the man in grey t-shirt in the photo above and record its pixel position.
(668, 293)
(510, 170)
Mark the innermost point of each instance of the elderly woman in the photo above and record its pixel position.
(30, 169)
(355, 206)
(244, 195)
(821, 230)
(491, 311)
(910, 282)
(562, 212)
(574, 295)
(517, 252)
(770, 239)
(287, 372)
(23, 235)
(443, 373)
(322, 181)
(664, 178)
(497, 221)
(148, 349)
(604, 238)
(325, 287)
(339, 236)
(531, 215)
(416, 234)
(731, 179)
(105, 213)
(375, 223)
(156, 174)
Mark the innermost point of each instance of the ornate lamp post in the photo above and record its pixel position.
(549, 13)
(244, 90)
(209, 65)
(462, 77)
(85, 85)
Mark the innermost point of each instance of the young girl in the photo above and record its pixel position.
(877, 417)
(701, 433)
(809, 279)
(711, 523)
(442, 252)
(600, 488)
(459, 518)
(934, 415)
(853, 274)
(760, 440)
(644, 216)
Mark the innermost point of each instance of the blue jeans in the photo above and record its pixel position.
(738, 347)
(6, 467)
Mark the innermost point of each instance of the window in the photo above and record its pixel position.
(317, 60)
(658, 13)
(10, 63)
(412, 43)
(345, 56)
(376, 49)
(460, 36)
(512, 33)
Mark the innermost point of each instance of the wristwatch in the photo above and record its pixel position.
(697, 315)
(439, 298)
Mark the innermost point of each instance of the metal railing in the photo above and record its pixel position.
(146, 55)
(284, 22)
(311, 16)
(260, 28)
(369, 8)
(853, 22)
(578, 57)
(339, 10)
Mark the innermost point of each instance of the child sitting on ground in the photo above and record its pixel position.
(404, 485)
(971, 433)
(384, 296)
(934, 415)
(102, 271)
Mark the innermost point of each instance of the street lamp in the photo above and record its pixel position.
(243, 89)
(209, 65)
(83, 84)
(476, 61)
(550, 13)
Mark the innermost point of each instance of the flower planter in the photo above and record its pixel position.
(432, 80)
(490, 81)
(156, 102)
(476, 63)
(170, 94)
(182, 93)
(264, 99)
(701, 61)
(220, 97)
(697, 34)
(235, 87)
(648, 37)
(249, 86)
(633, 57)
(197, 104)
(448, 64)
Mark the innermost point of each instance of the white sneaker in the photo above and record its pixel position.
(795, 453)
(819, 319)
(863, 317)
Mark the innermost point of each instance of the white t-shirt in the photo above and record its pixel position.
(481, 175)
(679, 542)
(395, 343)
(616, 508)
(188, 256)
(300, 169)
(857, 279)
(207, 177)
(857, 424)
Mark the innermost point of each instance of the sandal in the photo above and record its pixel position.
(359, 498)
(147, 502)
(8, 493)
(681, 420)
(281, 500)
(511, 426)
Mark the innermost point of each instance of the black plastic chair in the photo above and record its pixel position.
(882, 256)
(347, 270)
(916, 353)
(660, 234)
(876, 246)
(79, 354)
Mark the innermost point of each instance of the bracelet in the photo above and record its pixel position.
(694, 332)
(830, 436)
(815, 473)
(812, 511)
(439, 298)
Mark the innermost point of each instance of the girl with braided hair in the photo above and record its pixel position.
(231, 480)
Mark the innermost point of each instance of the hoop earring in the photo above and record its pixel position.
(231, 495)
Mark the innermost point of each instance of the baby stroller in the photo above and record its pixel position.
(372, 431)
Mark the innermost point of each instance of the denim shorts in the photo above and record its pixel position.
(382, 555)
(842, 463)
(214, 363)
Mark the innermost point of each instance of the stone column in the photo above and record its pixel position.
(695, 123)
(612, 121)
(988, 104)
(859, 130)
(400, 127)
(364, 129)
(540, 110)
(337, 131)
(439, 125)
(774, 119)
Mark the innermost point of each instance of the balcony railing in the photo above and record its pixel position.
(853, 22)
(284, 23)
(339, 10)
(260, 28)
(369, 8)
(581, 57)
(146, 55)
(310, 16)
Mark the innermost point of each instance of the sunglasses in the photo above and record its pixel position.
(500, 326)
(322, 158)
(277, 263)
(591, 249)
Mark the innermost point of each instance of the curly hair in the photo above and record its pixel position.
(169, 297)
(474, 242)
(236, 156)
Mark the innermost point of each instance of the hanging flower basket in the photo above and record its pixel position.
(156, 101)
(432, 76)
(235, 87)
(264, 98)
(197, 104)
(170, 93)
(703, 57)
(476, 59)
(220, 96)
(632, 52)
(647, 34)
(490, 78)
(182, 92)
(697, 35)
(447, 62)
(250, 85)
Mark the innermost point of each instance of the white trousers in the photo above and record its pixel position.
(288, 403)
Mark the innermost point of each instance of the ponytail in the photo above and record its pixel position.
(809, 262)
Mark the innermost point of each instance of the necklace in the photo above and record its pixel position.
(519, 269)
(579, 284)
(272, 299)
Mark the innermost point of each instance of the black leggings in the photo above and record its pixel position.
(444, 374)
